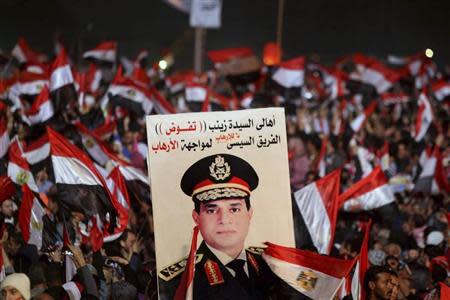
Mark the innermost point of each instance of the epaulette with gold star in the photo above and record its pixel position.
(172, 271)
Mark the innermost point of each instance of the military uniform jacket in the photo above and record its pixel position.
(214, 281)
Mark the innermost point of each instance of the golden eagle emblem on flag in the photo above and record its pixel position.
(22, 177)
(131, 93)
(89, 143)
(307, 280)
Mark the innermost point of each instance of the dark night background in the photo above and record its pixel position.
(329, 28)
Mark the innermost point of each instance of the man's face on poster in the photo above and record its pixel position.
(224, 224)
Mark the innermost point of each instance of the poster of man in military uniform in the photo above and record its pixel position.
(226, 175)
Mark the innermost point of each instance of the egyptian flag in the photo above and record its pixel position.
(30, 218)
(371, 192)
(121, 203)
(125, 93)
(37, 150)
(420, 67)
(195, 92)
(358, 122)
(88, 82)
(432, 178)
(311, 274)
(394, 98)
(105, 51)
(424, 117)
(318, 206)
(80, 184)
(100, 152)
(291, 73)
(441, 89)
(60, 73)
(42, 108)
(373, 72)
(37, 154)
(225, 55)
(177, 82)
(162, 105)
(4, 138)
(32, 83)
(197, 97)
(22, 52)
(362, 265)
(93, 145)
(18, 168)
(86, 98)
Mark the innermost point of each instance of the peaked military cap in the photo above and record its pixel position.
(218, 177)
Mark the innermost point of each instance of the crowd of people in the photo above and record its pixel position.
(336, 117)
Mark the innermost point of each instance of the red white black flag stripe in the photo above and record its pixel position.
(30, 218)
(18, 168)
(318, 206)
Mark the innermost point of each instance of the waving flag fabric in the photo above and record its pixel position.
(318, 205)
(30, 218)
(291, 73)
(311, 274)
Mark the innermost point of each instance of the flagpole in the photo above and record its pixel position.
(200, 34)
(280, 25)
(338, 288)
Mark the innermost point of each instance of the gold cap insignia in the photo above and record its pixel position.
(219, 169)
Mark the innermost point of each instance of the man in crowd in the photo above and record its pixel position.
(378, 283)
(220, 186)
(15, 287)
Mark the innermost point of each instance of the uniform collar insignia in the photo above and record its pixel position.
(252, 261)
(213, 273)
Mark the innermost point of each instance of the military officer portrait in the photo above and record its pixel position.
(220, 187)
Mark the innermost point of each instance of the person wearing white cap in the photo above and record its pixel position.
(15, 287)
(435, 238)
